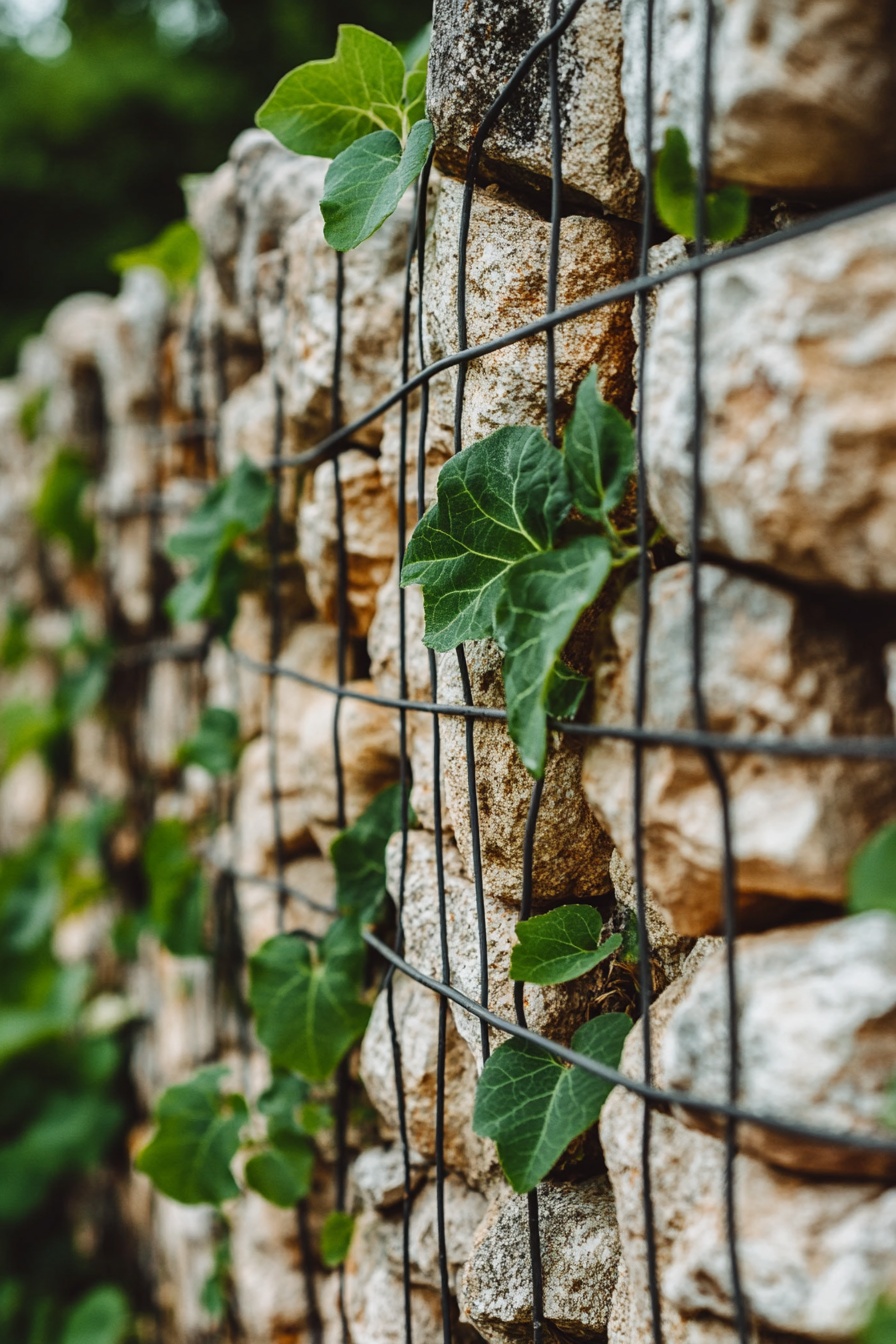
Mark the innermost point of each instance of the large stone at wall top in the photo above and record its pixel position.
(803, 96)
(475, 49)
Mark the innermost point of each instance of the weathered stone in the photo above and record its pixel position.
(73, 331)
(774, 666)
(26, 793)
(374, 1293)
(170, 712)
(803, 101)
(129, 346)
(182, 1256)
(309, 903)
(416, 1015)
(378, 1176)
(666, 947)
(572, 850)
(580, 1257)
(99, 759)
(800, 409)
(254, 822)
(231, 684)
(476, 48)
(464, 1210)
(215, 214)
(369, 538)
(553, 1010)
(815, 1031)
(174, 996)
(267, 1270)
(507, 287)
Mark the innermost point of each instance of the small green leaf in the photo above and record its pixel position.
(176, 252)
(215, 1290)
(176, 887)
(282, 1174)
(600, 452)
(533, 1106)
(336, 1238)
(359, 855)
(198, 1134)
(324, 106)
(306, 1005)
(871, 879)
(566, 690)
(31, 413)
(235, 506)
(542, 599)
(58, 512)
(676, 187)
(417, 61)
(366, 181)
(560, 945)
(881, 1328)
(102, 1317)
(499, 501)
(216, 744)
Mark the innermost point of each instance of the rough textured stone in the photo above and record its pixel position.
(803, 98)
(667, 948)
(774, 666)
(369, 535)
(129, 346)
(26, 793)
(572, 850)
(215, 214)
(506, 288)
(255, 844)
(580, 1257)
(475, 49)
(374, 1291)
(416, 1015)
(310, 901)
(267, 1270)
(170, 713)
(817, 1007)
(175, 1000)
(378, 1176)
(797, 463)
(553, 1010)
(464, 1209)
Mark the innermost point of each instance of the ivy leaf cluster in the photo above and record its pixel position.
(197, 1136)
(233, 509)
(364, 108)
(497, 556)
(676, 193)
(103, 1316)
(283, 1170)
(176, 252)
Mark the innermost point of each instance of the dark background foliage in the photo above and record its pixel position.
(105, 104)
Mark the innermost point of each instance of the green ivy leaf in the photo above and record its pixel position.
(215, 1290)
(103, 1316)
(416, 58)
(881, 1328)
(58, 512)
(359, 855)
(501, 500)
(69, 1133)
(599, 447)
(566, 690)
(336, 1238)
(282, 1174)
(176, 252)
(322, 107)
(26, 727)
(176, 887)
(15, 646)
(215, 745)
(31, 413)
(542, 598)
(871, 879)
(560, 945)
(235, 506)
(365, 183)
(306, 1004)
(198, 1134)
(533, 1106)
(675, 185)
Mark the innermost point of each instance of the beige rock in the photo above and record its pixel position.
(476, 48)
(378, 1176)
(174, 995)
(215, 214)
(73, 331)
(553, 1010)
(464, 1210)
(310, 897)
(802, 99)
(815, 1040)
(774, 666)
(129, 346)
(572, 850)
(170, 712)
(369, 537)
(26, 793)
(267, 1270)
(800, 406)
(126, 558)
(506, 288)
(667, 948)
(182, 1253)
(374, 1292)
(254, 818)
(231, 684)
(580, 1258)
(416, 1014)
(100, 760)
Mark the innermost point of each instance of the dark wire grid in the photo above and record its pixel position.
(708, 744)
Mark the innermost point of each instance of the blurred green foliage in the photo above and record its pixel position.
(93, 141)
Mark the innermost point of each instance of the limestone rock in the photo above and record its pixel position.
(475, 49)
(667, 948)
(182, 1254)
(580, 1257)
(215, 214)
(553, 1010)
(464, 1210)
(254, 820)
(378, 1176)
(26, 794)
(815, 1037)
(507, 287)
(73, 332)
(231, 684)
(416, 1013)
(129, 346)
(572, 850)
(374, 1291)
(803, 100)
(774, 666)
(369, 532)
(800, 415)
(170, 713)
(309, 905)
(174, 995)
(267, 1270)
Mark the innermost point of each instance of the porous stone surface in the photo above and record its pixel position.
(374, 1290)
(476, 48)
(666, 947)
(368, 537)
(774, 666)
(580, 1258)
(815, 1032)
(506, 284)
(378, 1176)
(553, 1010)
(803, 99)
(800, 409)
(272, 1291)
(572, 849)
